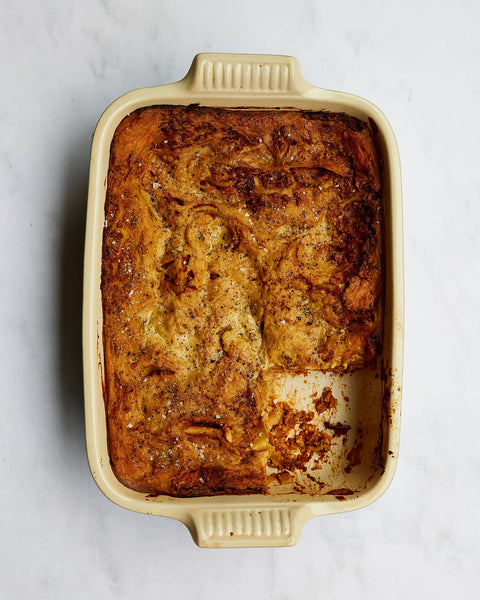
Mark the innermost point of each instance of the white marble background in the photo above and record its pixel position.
(61, 64)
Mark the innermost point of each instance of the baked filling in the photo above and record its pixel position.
(239, 246)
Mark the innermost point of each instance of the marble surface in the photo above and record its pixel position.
(61, 64)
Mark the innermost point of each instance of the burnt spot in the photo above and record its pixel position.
(338, 429)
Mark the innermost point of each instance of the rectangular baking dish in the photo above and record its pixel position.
(368, 400)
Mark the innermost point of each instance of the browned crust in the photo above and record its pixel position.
(235, 242)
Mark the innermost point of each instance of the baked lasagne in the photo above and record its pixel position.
(239, 245)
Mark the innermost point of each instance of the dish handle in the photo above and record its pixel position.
(247, 527)
(252, 73)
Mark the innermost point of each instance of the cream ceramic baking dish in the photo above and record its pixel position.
(368, 400)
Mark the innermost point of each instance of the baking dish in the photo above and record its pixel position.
(368, 400)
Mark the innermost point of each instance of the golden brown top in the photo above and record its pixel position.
(237, 243)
